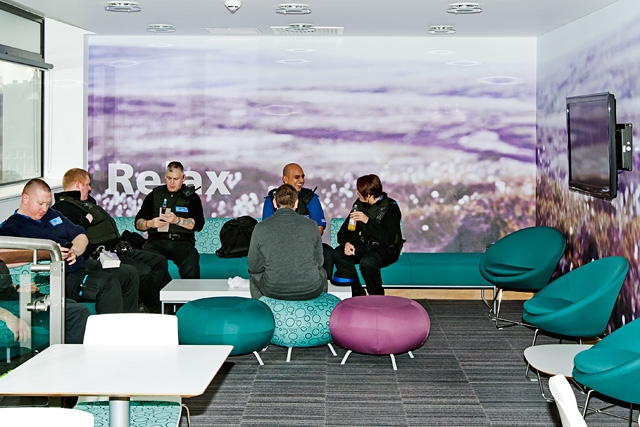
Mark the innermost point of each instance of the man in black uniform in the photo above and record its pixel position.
(373, 239)
(77, 205)
(172, 213)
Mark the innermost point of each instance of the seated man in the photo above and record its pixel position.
(285, 255)
(76, 314)
(171, 214)
(77, 205)
(113, 291)
(308, 205)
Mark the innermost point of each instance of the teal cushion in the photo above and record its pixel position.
(596, 360)
(545, 305)
(143, 413)
(500, 269)
(302, 323)
(246, 324)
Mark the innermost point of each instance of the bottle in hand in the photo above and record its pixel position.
(352, 222)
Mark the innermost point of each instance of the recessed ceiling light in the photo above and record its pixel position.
(300, 28)
(293, 9)
(464, 8)
(161, 28)
(441, 29)
(122, 6)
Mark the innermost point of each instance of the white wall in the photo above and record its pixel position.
(65, 117)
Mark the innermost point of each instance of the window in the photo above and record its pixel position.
(21, 94)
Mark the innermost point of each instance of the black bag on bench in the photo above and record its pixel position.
(235, 236)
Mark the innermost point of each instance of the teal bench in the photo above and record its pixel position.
(455, 270)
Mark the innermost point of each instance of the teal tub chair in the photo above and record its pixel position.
(612, 366)
(579, 303)
(522, 261)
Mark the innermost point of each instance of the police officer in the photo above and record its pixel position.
(171, 214)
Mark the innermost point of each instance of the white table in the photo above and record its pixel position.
(119, 372)
(553, 359)
(185, 290)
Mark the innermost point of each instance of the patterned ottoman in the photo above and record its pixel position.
(379, 324)
(302, 323)
(246, 324)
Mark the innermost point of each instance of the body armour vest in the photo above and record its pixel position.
(103, 228)
(377, 212)
(177, 202)
(304, 197)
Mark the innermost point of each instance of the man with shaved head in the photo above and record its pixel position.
(308, 205)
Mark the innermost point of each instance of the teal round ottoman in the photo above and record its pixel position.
(246, 324)
(302, 323)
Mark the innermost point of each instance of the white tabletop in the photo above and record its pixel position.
(554, 359)
(184, 290)
(117, 371)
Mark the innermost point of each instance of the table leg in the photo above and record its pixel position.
(119, 412)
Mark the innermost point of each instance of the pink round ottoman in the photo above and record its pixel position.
(379, 324)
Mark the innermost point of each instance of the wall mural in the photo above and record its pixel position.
(448, 125)
(595, 228)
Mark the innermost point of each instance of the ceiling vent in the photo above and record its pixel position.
(161, 28)
(293, 9)
(302, 29)
(464, 8)
(123, 6)
(441, 29)
(222, 31)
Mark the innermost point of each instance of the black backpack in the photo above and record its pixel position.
(235, 236)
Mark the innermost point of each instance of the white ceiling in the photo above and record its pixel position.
(403, 18)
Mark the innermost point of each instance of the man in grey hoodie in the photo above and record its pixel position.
(285, 255)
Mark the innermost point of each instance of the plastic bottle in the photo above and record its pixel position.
(164, 207)
(352, 222)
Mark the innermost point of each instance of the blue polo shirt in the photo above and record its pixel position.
(314, 207)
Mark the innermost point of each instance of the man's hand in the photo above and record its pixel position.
(349, 249)
(68, 254)
(89, 218)
(32, 288)
(359, 216)
(20, 329)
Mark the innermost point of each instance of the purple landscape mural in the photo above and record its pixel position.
(449, 128)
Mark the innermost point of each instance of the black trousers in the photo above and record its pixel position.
(327, 253)
(114, 290)
(152, 272)
(182, 252)
(371, 260)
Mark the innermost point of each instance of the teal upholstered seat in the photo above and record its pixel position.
(246, 324)
(522, 261)
(579, 303)
(142, 413)
(612, 366)
(302, 323)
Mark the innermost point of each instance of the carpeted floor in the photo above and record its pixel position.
(467, 374)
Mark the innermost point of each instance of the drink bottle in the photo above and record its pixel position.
(164, 206)
(352, 222)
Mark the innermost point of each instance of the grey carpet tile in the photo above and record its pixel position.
(467, 374)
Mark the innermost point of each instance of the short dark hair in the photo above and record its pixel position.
(369, 185)
(286, 196)
(172, 166)
(36, 184)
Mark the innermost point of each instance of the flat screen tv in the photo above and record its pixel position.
(591, 128)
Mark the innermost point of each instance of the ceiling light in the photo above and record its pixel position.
(441, 29)
(464, 8)
(300, 28)
(122, 6)
(161, 28)
(293, 9)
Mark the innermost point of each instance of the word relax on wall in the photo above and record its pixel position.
(122, 174)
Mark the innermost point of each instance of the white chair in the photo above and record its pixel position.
(566, 402)
(132, 329)
(51, 417)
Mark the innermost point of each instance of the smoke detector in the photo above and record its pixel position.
(441, 29)
(122, 6)
(161, 28)
(464, 8)
(293, 9)
(300, 28)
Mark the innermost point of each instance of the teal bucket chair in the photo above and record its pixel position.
(522, 261)
(579, 303)
(612, 366)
